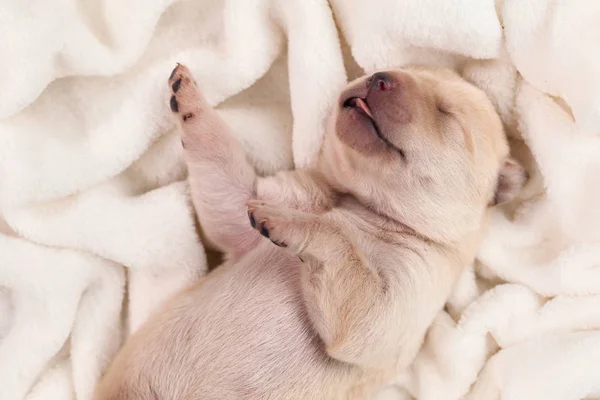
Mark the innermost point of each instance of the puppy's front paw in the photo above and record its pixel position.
(302, 233)
(269, 220)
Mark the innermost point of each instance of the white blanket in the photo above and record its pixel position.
(98, 227)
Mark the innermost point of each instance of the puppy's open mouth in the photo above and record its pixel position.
(361, 106)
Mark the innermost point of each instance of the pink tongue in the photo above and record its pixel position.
(363, 106)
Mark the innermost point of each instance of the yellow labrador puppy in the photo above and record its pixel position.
(333, 290)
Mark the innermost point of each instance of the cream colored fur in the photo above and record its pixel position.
(371, 241)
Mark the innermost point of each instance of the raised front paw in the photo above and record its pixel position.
(186, 100)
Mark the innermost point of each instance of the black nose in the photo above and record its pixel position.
(380, 81)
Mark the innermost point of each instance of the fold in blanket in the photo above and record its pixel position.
(96, 227)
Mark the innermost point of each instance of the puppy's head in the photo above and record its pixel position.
(421, 145)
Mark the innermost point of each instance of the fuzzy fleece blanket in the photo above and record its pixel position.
(96, 227)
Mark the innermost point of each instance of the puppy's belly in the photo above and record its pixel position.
(241, 334)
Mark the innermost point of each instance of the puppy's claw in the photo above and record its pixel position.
(174, 71)
(279, 244)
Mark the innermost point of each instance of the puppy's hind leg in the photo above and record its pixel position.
(221, 180)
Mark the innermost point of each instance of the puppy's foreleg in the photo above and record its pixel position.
(221, 180)
(345, 296)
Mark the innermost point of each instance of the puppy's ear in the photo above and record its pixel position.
(511, 178)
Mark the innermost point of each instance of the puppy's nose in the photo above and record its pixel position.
(381, 81)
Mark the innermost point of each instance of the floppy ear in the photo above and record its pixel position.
(511, 179)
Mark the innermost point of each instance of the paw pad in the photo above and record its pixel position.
(176, 85)
(264, 231)
(173, 103)
(252, 220)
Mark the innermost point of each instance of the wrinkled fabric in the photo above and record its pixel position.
(96, 225)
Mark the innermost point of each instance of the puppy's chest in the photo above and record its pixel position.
(385, 255)
(376, 244)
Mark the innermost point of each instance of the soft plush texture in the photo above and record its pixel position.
(96, 227)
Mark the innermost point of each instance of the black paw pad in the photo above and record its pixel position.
(264, 231)
(173, 103)
(252, 220)
(176, 85)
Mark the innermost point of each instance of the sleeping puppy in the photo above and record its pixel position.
(334, 273)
